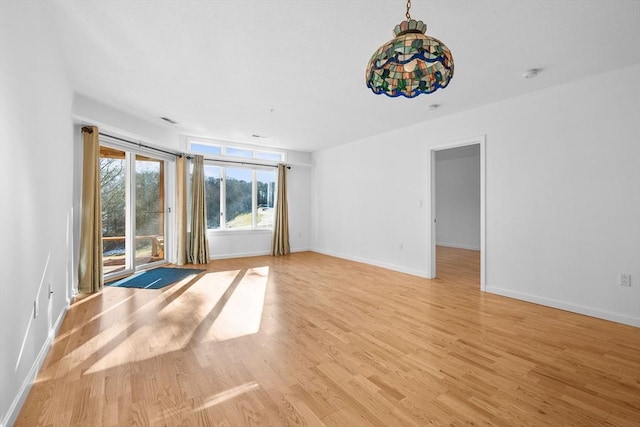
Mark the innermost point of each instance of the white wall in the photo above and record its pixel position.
(458, 197)
(370, 202)
(562, 202)
(36, 181)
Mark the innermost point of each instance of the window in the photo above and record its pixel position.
(238, 203)
(221, 149)
(238, 152)
(266, 197)
(202, 148)
(239, 198)
(212, 190)
(267, 155)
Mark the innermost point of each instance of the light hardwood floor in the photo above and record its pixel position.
(309, 339)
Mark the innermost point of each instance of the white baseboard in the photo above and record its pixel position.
(296, 250)
(12, 414)
(376, 263)
(239, 255)
(453, 245)
(574, 308)
(251, 254)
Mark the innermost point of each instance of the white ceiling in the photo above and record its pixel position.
(293, 71)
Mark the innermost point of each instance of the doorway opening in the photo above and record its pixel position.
(457, 214)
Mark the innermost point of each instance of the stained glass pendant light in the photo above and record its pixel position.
(410, 64)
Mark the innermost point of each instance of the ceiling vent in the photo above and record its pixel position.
(168, 120)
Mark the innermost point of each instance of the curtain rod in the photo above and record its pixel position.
(139, 144)
(240, 162)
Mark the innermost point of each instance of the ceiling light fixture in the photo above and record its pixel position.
(411, 63)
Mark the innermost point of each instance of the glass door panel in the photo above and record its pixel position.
(113, 180)
(150, 208)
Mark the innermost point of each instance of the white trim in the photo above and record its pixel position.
(561, 305)
(12, 414)
(305, 249)
(240, 255)
(214, 232)
(431, 196)
(388, 266)
(252, 254)
(254, 199)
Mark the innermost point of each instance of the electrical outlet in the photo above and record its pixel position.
(625, 279)
(36, 309)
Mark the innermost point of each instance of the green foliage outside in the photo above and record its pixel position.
(238, 201)
(112, 192)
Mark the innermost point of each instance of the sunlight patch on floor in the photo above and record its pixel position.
(241, 313)
(218, 306)
(228, 395)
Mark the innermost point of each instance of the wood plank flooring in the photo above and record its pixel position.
(314, 340)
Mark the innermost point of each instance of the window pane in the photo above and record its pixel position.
(212, 195)
(114, 214)
(238, 152)
(268, 155)
(266, 198)
(238, 198)
(205, 148)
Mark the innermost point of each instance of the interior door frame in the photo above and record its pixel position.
(431, 188)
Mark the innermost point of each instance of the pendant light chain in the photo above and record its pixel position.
(408, 7)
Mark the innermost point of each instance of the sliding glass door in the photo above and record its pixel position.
(133, 196)
(150, 210)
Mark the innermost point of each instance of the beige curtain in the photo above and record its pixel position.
(198, 245)
(90, 261)
(280, 242)
(181, 214)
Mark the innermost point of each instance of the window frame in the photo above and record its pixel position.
(222, 229)
(224, 146)
(254, 163)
